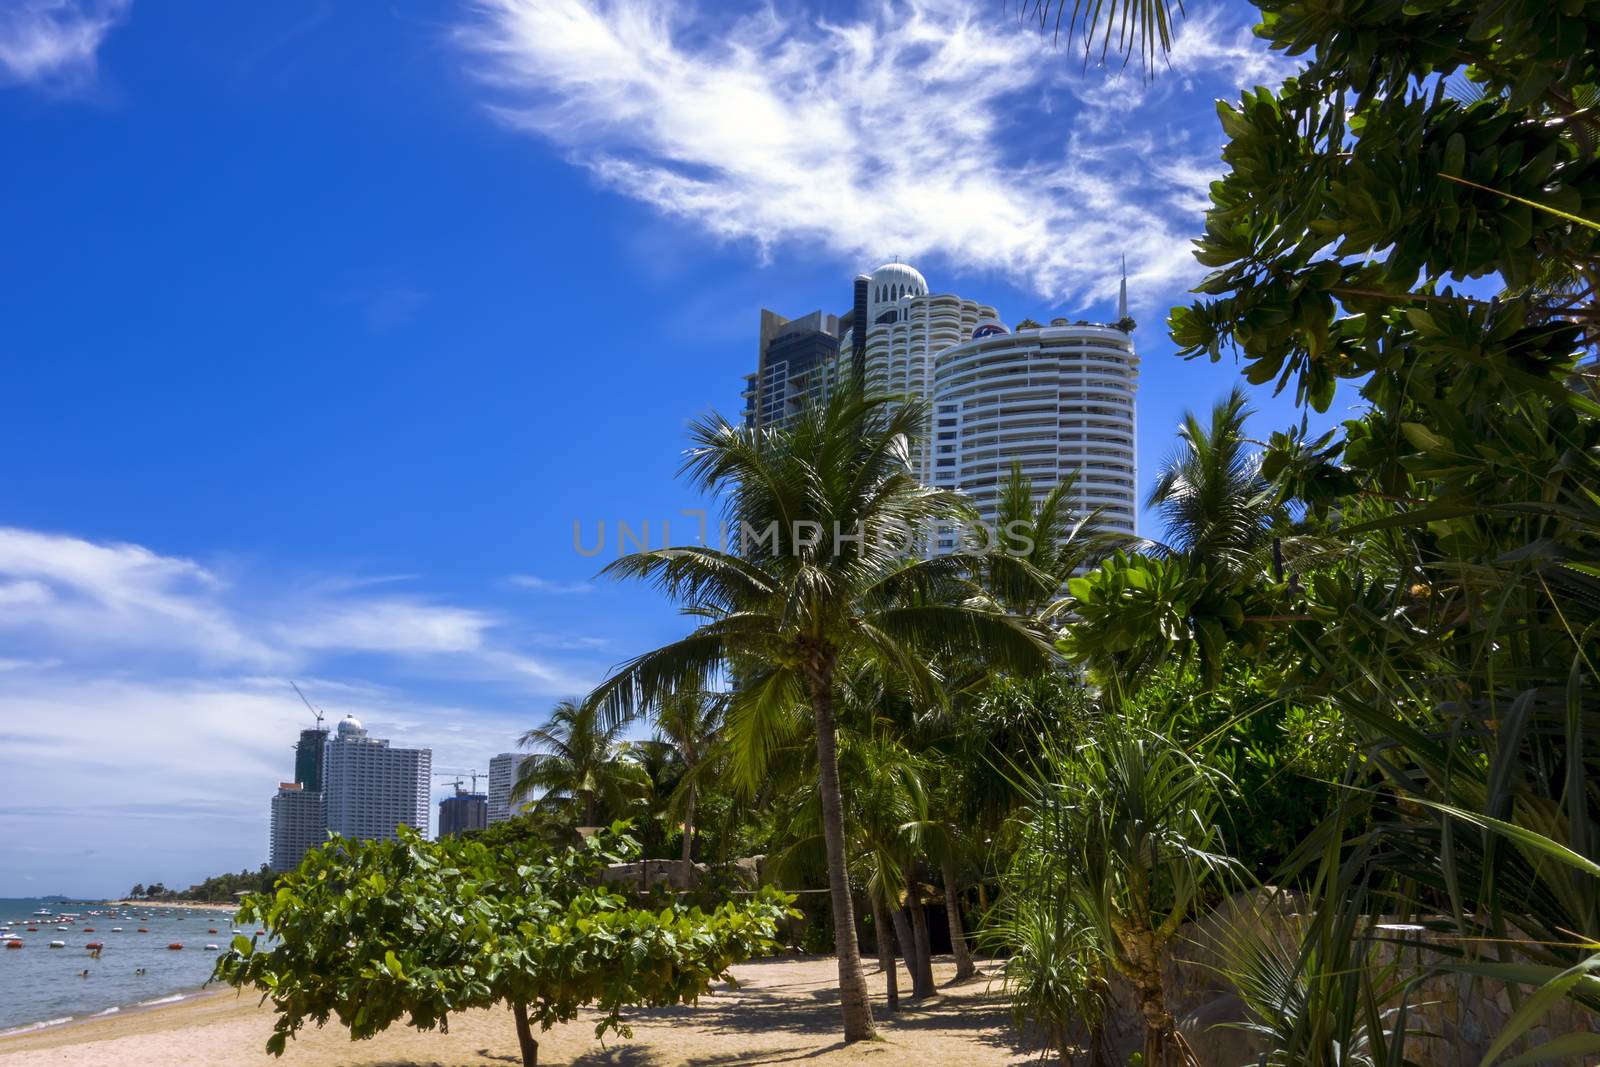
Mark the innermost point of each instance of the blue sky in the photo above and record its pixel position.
(321, 323)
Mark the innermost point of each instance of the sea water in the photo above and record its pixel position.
(40, 986)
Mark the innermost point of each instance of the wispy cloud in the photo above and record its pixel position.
(55, 43)
(546, 585)
(85, 602)
(934, 127)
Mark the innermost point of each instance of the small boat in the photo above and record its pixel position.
(211, 948)
(175, 946)
(58, 944)
(44, 911)
(63, 927)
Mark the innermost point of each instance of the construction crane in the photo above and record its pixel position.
(314, 711)
(457, 775)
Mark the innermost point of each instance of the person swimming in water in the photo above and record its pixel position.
(83, 974)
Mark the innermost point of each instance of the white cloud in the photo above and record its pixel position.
(935, 127)
(55, 43)
(546, 585)
(391, 624)
(89, 596)
(100, 603)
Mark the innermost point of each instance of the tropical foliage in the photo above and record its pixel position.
(1357, 663)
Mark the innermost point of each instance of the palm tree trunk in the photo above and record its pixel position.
(880, 924)
(958, 936)
(923, 983)
(688, 833)
(853, 1000)
(1164, 1046)
(908, 944)
(530, 1047)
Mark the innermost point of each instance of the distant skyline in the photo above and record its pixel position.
(324, 322)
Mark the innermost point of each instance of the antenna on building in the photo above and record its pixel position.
(1122, 293)
(314, 711)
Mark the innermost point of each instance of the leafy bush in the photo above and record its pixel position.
(370, 932)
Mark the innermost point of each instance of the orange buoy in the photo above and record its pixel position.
(88, 929)
(144, 929)
(94, 945)
(212, 930)
(175, 946)
(13, 944)
(33, 929)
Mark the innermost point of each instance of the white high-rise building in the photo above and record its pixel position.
(502, 776)
(299, 824)
(1057, 398)
(370, 788)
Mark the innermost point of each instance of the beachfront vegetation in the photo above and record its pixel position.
(1358, 664)
(218, 889)
(370, 933)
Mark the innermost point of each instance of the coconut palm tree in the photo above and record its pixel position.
(824, 507)
(579, 765)
(1037, 547)
(691, 723)
(1215, 505)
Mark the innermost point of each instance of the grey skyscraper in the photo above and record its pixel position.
(463, 811)
(299, 824)
(797, 362)
(371, 788)
(502, 776)
(308, 758)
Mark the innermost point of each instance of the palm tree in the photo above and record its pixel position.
(1038, 546)
(823, 506)
(1146, 24)
(691, 723)
(1216, 506)
(580, 764)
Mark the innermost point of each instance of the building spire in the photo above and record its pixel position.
(1122, 293)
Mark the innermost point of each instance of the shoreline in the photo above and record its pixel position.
(187, 905)
(117, 1013)
(785, 1009)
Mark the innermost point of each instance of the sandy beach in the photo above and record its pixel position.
(173, 905)
(785, 1011)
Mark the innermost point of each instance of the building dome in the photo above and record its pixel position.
(890, 284)
(351, 727)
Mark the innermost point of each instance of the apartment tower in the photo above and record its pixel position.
(371, 788)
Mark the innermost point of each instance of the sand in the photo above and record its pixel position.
(785, 1011)
(174, 905)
